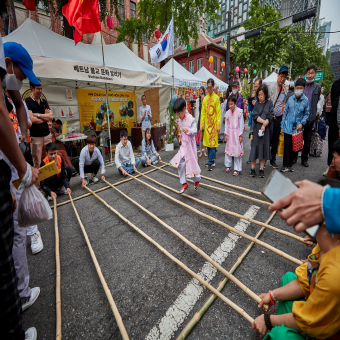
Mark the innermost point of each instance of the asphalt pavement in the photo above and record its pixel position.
(155, 297)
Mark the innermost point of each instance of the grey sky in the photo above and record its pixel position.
(330, 10)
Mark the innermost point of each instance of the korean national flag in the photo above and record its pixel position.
(164, 47)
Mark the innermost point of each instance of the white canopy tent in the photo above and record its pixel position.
(58, 61)
(273, 79)
(204, 75)
(182, 77)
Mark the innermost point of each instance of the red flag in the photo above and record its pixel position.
(29, 4)
(83, 15)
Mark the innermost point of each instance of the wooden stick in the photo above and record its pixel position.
(57, 262)
(223, 183)
(219, 189)
(173, 258)
(198, 315)
(194, 247)
(108, 187)
(280, 231)
(213, 219)
(107, 291)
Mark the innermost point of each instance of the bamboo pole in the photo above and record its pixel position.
(57, 261)
(194, 247)
(223, 183)
(107, 291)
(198, 315)
(219, 189)
(108, 187)
(280, 231)
(235, 231)
(173, 258)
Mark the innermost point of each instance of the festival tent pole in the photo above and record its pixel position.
(213, 219)
(108, 294)
(198, 315)
(194, 247)
(265, 225)
(173, 258)
(57, 260)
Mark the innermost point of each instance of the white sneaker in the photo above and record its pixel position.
(36, 243)
(325, 173)
(31, 334)
(49, 198)
(86, 180)
(93, 178)
(155, 162)
(63, 191)
(34, 295)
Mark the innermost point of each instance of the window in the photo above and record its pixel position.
(132, 9)
(244, 16)
(240, 8)
(199, 63)
(121, 10)
(219, 27)
(221, 71)
(245, 6)
(184, 65)
(236, 3)
(215, 64)
(223, 8)
(200, 29)
(192, 66)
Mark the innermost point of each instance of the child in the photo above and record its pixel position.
(234, 125)
(90, 160)
(149, 153)
(125, 160)
(56, 183)
(186, 158)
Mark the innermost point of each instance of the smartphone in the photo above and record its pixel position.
(279, 186)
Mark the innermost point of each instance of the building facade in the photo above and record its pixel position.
(335, 64)
(334, 48)
(324, 29)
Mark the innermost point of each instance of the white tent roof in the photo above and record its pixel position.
(56, 57)
(204, 75)
(183, 77)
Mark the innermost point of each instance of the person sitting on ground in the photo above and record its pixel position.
(56, 183)
(61, 152)
(125, 160)
(334, 168)
(294, 118)
(309, 299)
(90, 160)
(58, 127)
(149, 154)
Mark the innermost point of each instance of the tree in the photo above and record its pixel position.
(158, 13)
(265, 50)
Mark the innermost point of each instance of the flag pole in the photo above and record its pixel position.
(107, 104)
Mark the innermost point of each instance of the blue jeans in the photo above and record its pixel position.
(152, 157)
(211, 155)
(129, 167)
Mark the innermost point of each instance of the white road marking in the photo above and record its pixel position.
(185, 302)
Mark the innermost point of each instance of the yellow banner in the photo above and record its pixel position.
(92, 108)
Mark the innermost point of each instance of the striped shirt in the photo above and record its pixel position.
(279, 102)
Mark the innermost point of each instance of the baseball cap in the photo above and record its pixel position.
(283, 69)
(19, 54)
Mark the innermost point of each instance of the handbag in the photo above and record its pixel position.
(280, 147)
(297, 141)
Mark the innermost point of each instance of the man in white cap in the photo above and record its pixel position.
(11, 161)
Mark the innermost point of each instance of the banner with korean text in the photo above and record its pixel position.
(92, 109)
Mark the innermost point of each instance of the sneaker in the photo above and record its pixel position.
(196, 185)
(36, 243)
(207, 164)
(145, 165)
(305, 164)
(210, 167)
(326, 172)
(86, 180)
(284, 169)
(49, 198)
(155, 162)
(31, 334)
(248, 161)
(93, 178)
(183, 188)
(273, 164)
(291, 169)
(235, 173)
(252, 172)
(227, 169)
(34, 295)
(261, 173)
(63, 191)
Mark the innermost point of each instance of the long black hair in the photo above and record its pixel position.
(203, 89)
(146, 140)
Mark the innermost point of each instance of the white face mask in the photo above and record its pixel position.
(234, 91)
(11, 82)
(309, 81)
(298, 93)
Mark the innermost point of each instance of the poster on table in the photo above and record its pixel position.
(92, 107)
